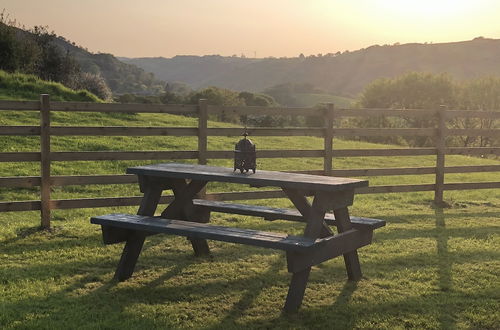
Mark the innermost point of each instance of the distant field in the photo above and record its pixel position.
(311, 99)
(428, 268)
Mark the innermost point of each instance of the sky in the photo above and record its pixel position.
(257, 28)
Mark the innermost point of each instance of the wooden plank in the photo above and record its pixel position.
(123, 107)
(123, 155)
(384, 152)
(21, 182)
(258, 131)
(273, 213)
(19, 156)
(262, 111)
(472, 185)
(259, 179)
(122, 131)
(20, 130)
(68, 180)
(384, 171)
(383, 112)
(216, 154)
(451, 114)
(45, 160)
(384, 131)
(20, 206)
(473, 151)
(212, 232)
(474, 132)
(19, 105)
(395, 188)
(470, 169)
(351, 258)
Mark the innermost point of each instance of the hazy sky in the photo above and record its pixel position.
(137, 28)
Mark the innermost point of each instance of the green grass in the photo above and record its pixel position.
(428, 268)
(18, 86)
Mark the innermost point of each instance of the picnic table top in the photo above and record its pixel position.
(259, 179)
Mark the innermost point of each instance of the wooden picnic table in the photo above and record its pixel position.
(188, 216)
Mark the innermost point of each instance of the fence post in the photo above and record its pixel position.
(440, 156)
(45, 161)
(329, 116)
(202, 131)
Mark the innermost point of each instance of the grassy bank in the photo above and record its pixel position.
(428, 268)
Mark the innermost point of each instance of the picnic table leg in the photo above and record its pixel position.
(182, 208)
(315, 215)
(135, 239)
(351, 259)
(296, 290)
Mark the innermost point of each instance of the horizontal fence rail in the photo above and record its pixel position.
(45, 156)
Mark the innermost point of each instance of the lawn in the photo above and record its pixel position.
(428, 268)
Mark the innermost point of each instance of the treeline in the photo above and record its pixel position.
(431, 91)
(33, 51)
(53, 58)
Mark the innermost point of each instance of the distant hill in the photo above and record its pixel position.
(340, 74)
(121, 77)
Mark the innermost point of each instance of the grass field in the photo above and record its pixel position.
(428, 268)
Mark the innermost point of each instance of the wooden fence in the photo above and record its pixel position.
(45, 156)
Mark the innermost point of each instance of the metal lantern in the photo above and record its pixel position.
(244, 155)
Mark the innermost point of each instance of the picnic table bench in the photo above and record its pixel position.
(188, 216)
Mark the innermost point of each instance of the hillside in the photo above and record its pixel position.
(343, 74)
(18, 86)
(120, 77)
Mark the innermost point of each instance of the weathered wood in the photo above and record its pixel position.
(296, 290)
(260, 178)
(135, 238)
(470, 169)
(345, 242)
(351, 259)
(202, 131)
(472, 185)
(473, 151)
(383, 112)
(122, 131)
(69, 180)
(123, 155)
(384, 131)
(19, 156)
(45, 160)
(264, 239)
(20, 206)
(328, 139)
(451, 114)
(440, 142)
(273, 213)
(384, 152)
(20, 130)
(20, 182)
(123, 107)
(395, 188)
(473, 132)
(19, 105)
(269, 154)
(182, 208)
(257, 131)
(256, 111)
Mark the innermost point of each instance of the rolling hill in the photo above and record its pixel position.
(340, 74)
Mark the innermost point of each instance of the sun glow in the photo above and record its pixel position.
(427, 9)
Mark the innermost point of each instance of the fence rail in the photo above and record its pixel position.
(46, 157)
